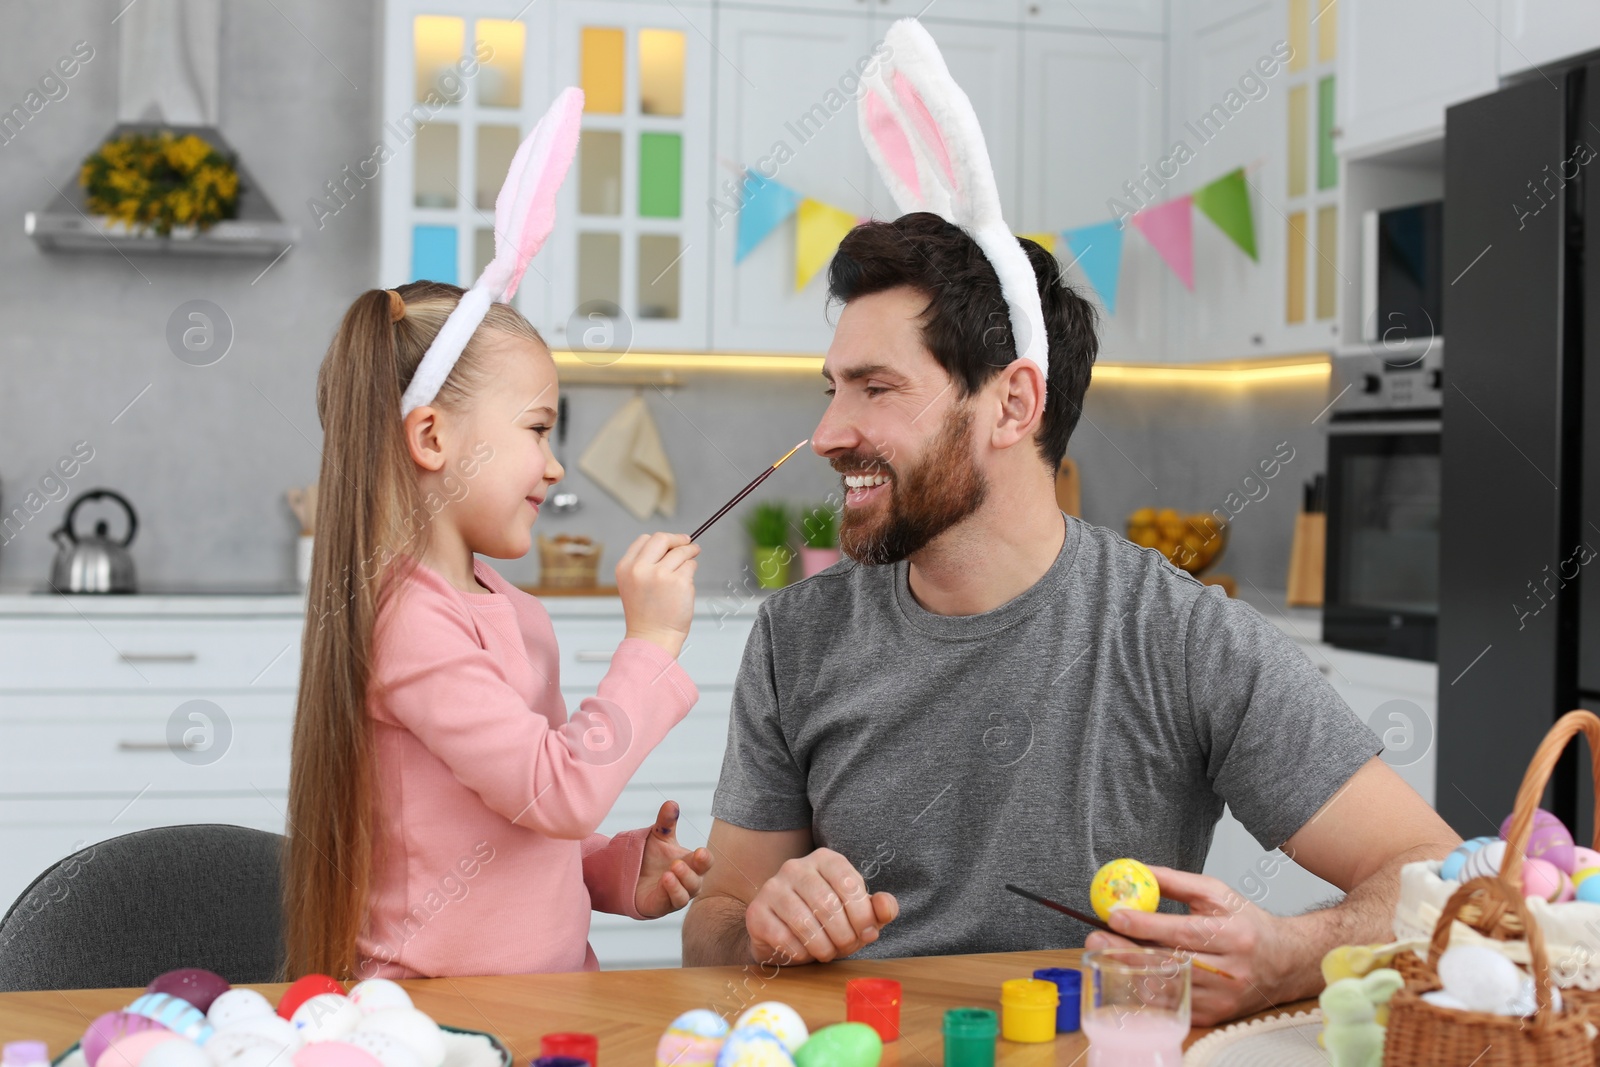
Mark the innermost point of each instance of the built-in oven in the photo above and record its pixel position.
(1381, 583)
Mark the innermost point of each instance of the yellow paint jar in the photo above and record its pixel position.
(1028, 1010)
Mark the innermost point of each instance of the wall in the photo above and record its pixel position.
(205, 453)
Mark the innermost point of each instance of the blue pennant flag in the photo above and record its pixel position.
(767, 204)
(1098, 252)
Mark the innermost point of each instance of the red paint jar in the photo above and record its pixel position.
(876, 1002)
(575, 1046)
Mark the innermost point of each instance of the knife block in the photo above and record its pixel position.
(1306, 555)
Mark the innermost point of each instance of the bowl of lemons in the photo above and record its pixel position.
(1191, 542)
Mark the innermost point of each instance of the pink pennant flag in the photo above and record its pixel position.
(1169, 227)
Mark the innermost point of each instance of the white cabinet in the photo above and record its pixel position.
(783, 109)
(97, 702)
(1402, 64)
(1534, 33)
(1096, 16)
(1398, 699)
(1092, 116)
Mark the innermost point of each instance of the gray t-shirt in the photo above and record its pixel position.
(1109, 710)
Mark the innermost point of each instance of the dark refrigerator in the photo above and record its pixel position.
(1519, 610)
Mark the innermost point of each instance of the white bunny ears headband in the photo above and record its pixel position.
(921, 131)
(524, 215)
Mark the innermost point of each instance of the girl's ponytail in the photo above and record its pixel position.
(370, 529)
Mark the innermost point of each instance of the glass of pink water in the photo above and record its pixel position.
(1135, 1007)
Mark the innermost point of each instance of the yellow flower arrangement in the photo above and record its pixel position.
(161, 180)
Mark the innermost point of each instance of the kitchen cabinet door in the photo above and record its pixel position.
(1096, 16)
(1535, 33)
(627, 263)
(1402, 64)
(1092, 116)
(786, 108)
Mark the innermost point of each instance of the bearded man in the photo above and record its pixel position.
(988, 690)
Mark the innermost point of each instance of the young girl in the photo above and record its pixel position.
(442, 807)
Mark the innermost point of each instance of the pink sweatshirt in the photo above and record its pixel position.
(487, 859)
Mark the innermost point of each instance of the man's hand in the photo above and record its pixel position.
(815, 909)
(1222, 929)
(669, 874)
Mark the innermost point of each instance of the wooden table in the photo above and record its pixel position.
(629, 1009)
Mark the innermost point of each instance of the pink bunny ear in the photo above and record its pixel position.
(891, 141)
(911, 101)
(525, 210)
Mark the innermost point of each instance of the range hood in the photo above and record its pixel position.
(167, 80)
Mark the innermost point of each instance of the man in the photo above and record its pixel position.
(989, 691)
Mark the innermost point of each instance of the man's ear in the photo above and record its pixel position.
(1021, 394)
(423, 438)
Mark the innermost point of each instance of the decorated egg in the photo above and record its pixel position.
(841, 1045)
(1123, 883)
(1485, 862)
(417, 1031)
(196, 985)
(1584, 858)
(386, 1048)
(128, 1051)
(701, 1022)
(303, 989)
(753, 1046)
(1582, 875)
(229, 1049)
(1588, 891)
(678, 1048)
(176, 1054)
(271, 1027)
(179, 1016)
(326, 1017)
(1479, 977)
(783, 1021)
(1549, 840)
(108, 1028)
(379, 994)
(1543, 879)
(1451, 867)
(334, 1054)
(237, 1004)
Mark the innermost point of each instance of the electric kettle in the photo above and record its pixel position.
(94, 564)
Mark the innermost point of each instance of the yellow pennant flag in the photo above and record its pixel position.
(819, 228)
(1046, 241)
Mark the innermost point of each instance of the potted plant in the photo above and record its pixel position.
(819, 529)
(768, 526)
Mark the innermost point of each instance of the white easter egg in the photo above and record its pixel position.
(1525, 1003)
(379, 994)
(782, 1020)
(413, 1028)
(387, 1048)
(325, 1017)
(1440, 999)
(236, 1004)
(272, 1027)
(1484, 862)
(1480, 977)
(244, 1050)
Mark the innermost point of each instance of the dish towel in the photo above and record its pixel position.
(626, 460)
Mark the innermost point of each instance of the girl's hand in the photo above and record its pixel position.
(669, 874)
(655, 578)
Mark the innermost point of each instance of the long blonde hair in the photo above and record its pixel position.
(370, 529)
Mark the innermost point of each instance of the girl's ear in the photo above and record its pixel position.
(421, 430)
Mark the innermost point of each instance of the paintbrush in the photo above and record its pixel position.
(745, 492)
(1098, 925)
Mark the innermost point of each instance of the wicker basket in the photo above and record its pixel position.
(1423, 1035)
(568, 564)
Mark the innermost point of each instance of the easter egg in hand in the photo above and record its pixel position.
(783, 1021)
(1123, 883)
(841, 1045)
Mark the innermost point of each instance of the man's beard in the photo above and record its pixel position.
(942, 489)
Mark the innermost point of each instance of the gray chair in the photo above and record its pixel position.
(120, 912)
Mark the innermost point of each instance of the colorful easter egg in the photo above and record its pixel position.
(128, 1051)
(753, 1046)
(1485, 862)
(1582, 875)
(303, 989)
(782, 1020)
(326, 1017)
(1588, 891)
(379, 994)
(236, 1005)
(1450, 866)
(334, 1054)
(1543, 879)
(678, 1048)
(196, 985)
(110, 1027)
(1584, 858)
(841, 1045)
(1123, 883)
(1550, 839)
(701, 1022)
(412, 1027)
(179, 1016)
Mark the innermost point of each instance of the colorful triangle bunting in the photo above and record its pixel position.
(1169, 227)
(1226, 202)
(1097, 250)
(766, 206)
(819, 228)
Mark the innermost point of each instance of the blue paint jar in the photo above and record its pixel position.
(1070, 983)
